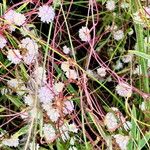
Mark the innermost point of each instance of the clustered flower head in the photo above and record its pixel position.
(114, 119)
(124, 90)
(84, 34)
(65, 129)
(122, 141)
(101, 71)
(110, 5)
(66, 49)
(70, 73)
(12, 142)
(31, 50)
(111, 121)
(49, 133)
(118, 35)
(46, 13)
(14, 56)
(39, 74)
(14, 18)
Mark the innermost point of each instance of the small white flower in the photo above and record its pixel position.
(13, 17)
(110, 5)
(71, 74)
(14, 56)
(68, 107)
(49, 132)
(12, 142)
(66, 50)
(28, 99)
(53, 114)
(118, 65)
(59, 87)
(142, 106)
(137, 18)
(138, 70)
(127, 125)
(124, 90)
(65, 66)
(101, 72)
(2, 42)
(111, 121)
(9, 16)
(45, 94)
(46, 13)
(64, 132)
(72, 140)
(127, 58)
(72, 128)
(118, 35)
(29, 44)
(32, 50)
(19, 19)
(39, 75)
(124, 5)
(84, 34)
(73, 148)
(122, 141)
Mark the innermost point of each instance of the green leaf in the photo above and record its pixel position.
(144, 140)
(22, 131)
(141, 54)
(22, 7)
(15, 100)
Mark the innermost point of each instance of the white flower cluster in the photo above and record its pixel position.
(65, 129)
(110, 5)
(101, 71)
(39, 75)
(142, 16)
(118, 35)
(122, 141)
(125, 5)
(14, 56)
(2, 42)
(66, 49)
(46, 94)
(70, 73)
(49, 133)
(119, 65)
(127, 58)
(29, 99)
(113, 120)
(84, 34)
(46, 13)
(124, 90)
(31, 52)
(12, 142)
(31, 49)
(14, 18)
